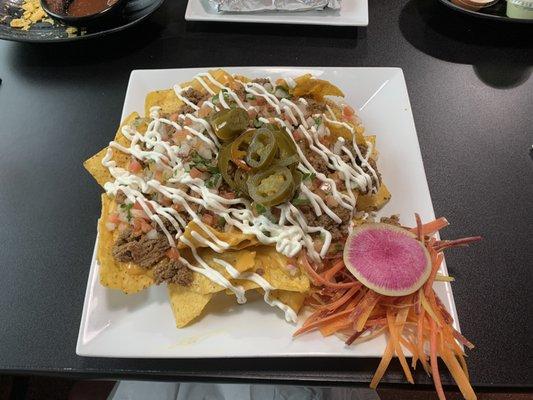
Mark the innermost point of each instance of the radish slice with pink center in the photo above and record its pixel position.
(387, 259)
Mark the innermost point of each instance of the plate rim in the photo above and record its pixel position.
(191, 16)
(157, 5)
(83, 350)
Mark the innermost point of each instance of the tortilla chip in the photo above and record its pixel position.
(94, 164)
(166, 99)
(234, 237)
(294, 300)
(273, 266)
(241, 260)
(113, 274)
(308, 85)
(373, 202)
(186, 305)
(219, 75)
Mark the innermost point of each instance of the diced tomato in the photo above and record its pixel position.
(137, 206)
(135, 166)
(177, 206)
(196, 173)
(208, 219)
(252, 113)
(297, 135)
(228, 195)
(331, 201)
(204, 111)
(260, 101)
(187, 122)
(173, 253)
(165, 201)
(158, 175)
(137, 224)
(113, 218)
(348, 111)
(174, 117)
(145, 226)
(179, 136)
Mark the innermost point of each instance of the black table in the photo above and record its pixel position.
(472, 98)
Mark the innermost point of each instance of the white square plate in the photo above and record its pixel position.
(352, 13)
(142, 325)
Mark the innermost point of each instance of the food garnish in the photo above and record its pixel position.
(415, 320)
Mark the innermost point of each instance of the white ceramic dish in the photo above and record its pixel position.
(141, 325)
(352, 13)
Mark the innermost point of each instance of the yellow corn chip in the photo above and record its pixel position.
(186, 305)
(94, 164)
(373, 202)
(166, 99)
(234, 237)
(219, 75)
(294, 300)
(308, 85)
(241, 260)
(113, 274)
(272, 266)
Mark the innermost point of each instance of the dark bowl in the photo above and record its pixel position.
(100, 17)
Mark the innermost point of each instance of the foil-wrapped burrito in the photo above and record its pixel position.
(270, 5)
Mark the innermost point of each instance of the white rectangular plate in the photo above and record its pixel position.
(142, 325)
(352, 13)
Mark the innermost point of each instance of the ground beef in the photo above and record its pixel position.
(318, 163)
(193, 95)
(261, 81)
(338, 231)
(120, 197)
(363, 149)
(186, 109)
(172, 271)
(139, 249)
(314, 107)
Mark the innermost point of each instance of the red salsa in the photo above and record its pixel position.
(82, 8)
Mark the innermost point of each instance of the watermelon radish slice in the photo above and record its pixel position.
(387, 259)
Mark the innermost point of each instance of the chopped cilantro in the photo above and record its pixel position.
(309, 176)
(212, 181)
(261, 209)
(127, 209)
(300, 201)
(318, 120)
(202, 164)
(213, 170)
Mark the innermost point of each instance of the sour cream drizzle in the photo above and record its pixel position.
(289, 235)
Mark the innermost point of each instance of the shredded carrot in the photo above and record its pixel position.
(432, 227)
(330, 273)
(318, 278)
(395, 338)
(382, 367)
(436, 262)
(344, 307)
(434, 361)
